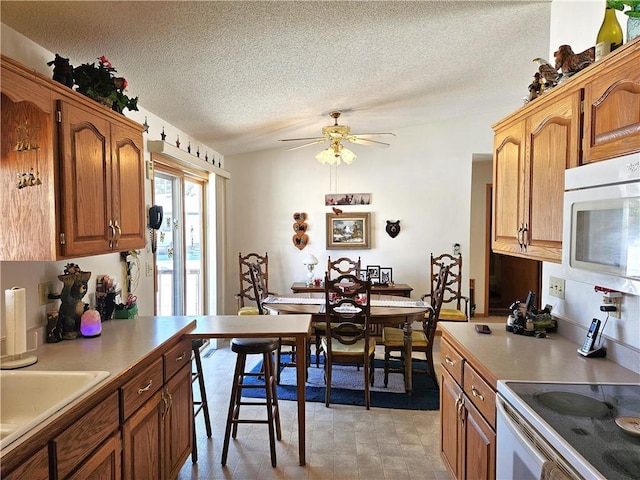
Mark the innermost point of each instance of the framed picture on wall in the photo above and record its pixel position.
(348, 231)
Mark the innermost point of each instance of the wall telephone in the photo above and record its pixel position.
(155, 217)
(155, 222)
(587, 349)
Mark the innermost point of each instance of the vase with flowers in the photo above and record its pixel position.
(633, 22)
(99, 82)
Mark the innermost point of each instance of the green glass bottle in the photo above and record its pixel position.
(610, 34)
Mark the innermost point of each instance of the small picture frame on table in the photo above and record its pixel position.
(363, 275)
(386, 275)
(373, 273)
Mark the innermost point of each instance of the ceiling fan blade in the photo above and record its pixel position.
(299, 139)
(319, 140)
(367, 135)
(364, 141)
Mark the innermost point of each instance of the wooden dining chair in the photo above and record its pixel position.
(421, 340)
(341, 266)
(455, 305)
(260, 293)
(347, 318)
(247, 303)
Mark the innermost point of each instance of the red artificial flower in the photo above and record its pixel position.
(105, 61)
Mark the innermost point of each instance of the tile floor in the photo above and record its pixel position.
(343, 442)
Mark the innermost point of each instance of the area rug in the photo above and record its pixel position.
(348, 387)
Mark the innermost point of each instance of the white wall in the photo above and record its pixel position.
(423, 180)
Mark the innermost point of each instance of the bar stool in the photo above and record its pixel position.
(253, 346)
(202, 405)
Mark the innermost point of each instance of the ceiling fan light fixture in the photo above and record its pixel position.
(347, 155)
(326, 156)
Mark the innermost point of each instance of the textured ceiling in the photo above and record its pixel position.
(240, 75)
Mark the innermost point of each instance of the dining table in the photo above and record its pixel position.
(259, 326)
(385, 310)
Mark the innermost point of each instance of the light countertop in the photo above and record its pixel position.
(503, 355)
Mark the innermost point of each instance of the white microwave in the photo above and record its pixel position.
(601, 224)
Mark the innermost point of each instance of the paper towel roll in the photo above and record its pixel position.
(16, 320)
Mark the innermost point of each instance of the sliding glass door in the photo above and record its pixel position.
(180, 243)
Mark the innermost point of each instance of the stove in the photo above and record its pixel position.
(595, 428)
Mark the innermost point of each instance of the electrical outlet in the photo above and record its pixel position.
(556, 287)
(44, 289)
(149, 267)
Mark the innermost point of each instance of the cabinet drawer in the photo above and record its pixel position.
(142, 387)
(79, 440)
(176, 358)
(481, 394)
(451, 360)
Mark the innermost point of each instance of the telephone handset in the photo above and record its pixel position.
(155, 217)
(155, 222)
(587, 349)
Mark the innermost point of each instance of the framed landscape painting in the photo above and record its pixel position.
(348, 231)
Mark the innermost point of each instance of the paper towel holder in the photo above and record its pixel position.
(11, 362)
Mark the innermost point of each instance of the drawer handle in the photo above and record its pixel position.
(145, 389)
(449, 362)
(180, 357)
(476, 393)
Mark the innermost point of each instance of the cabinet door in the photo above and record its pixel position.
(86, 180)
(104, 464)
(450, 430)
(612, 111)
(178, 422)
(127, 186)
(554, 142)
(28, 221)
(508, 185)
(36, 468)
(479, 445)
(142, 439)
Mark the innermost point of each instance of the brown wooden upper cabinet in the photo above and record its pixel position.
(89, 161)
(102, 209)
(536, 144)
(612, 111)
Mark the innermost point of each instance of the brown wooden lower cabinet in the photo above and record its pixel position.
(178, 422)
(467, 418)
(142, 440)
(104, 464)
(467, 440)
(36, 468)
(157, 437)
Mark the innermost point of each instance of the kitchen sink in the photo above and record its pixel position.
(29, 397)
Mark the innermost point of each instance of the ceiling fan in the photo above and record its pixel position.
(335, 134)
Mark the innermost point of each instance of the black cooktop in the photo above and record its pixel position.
(584, 415)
